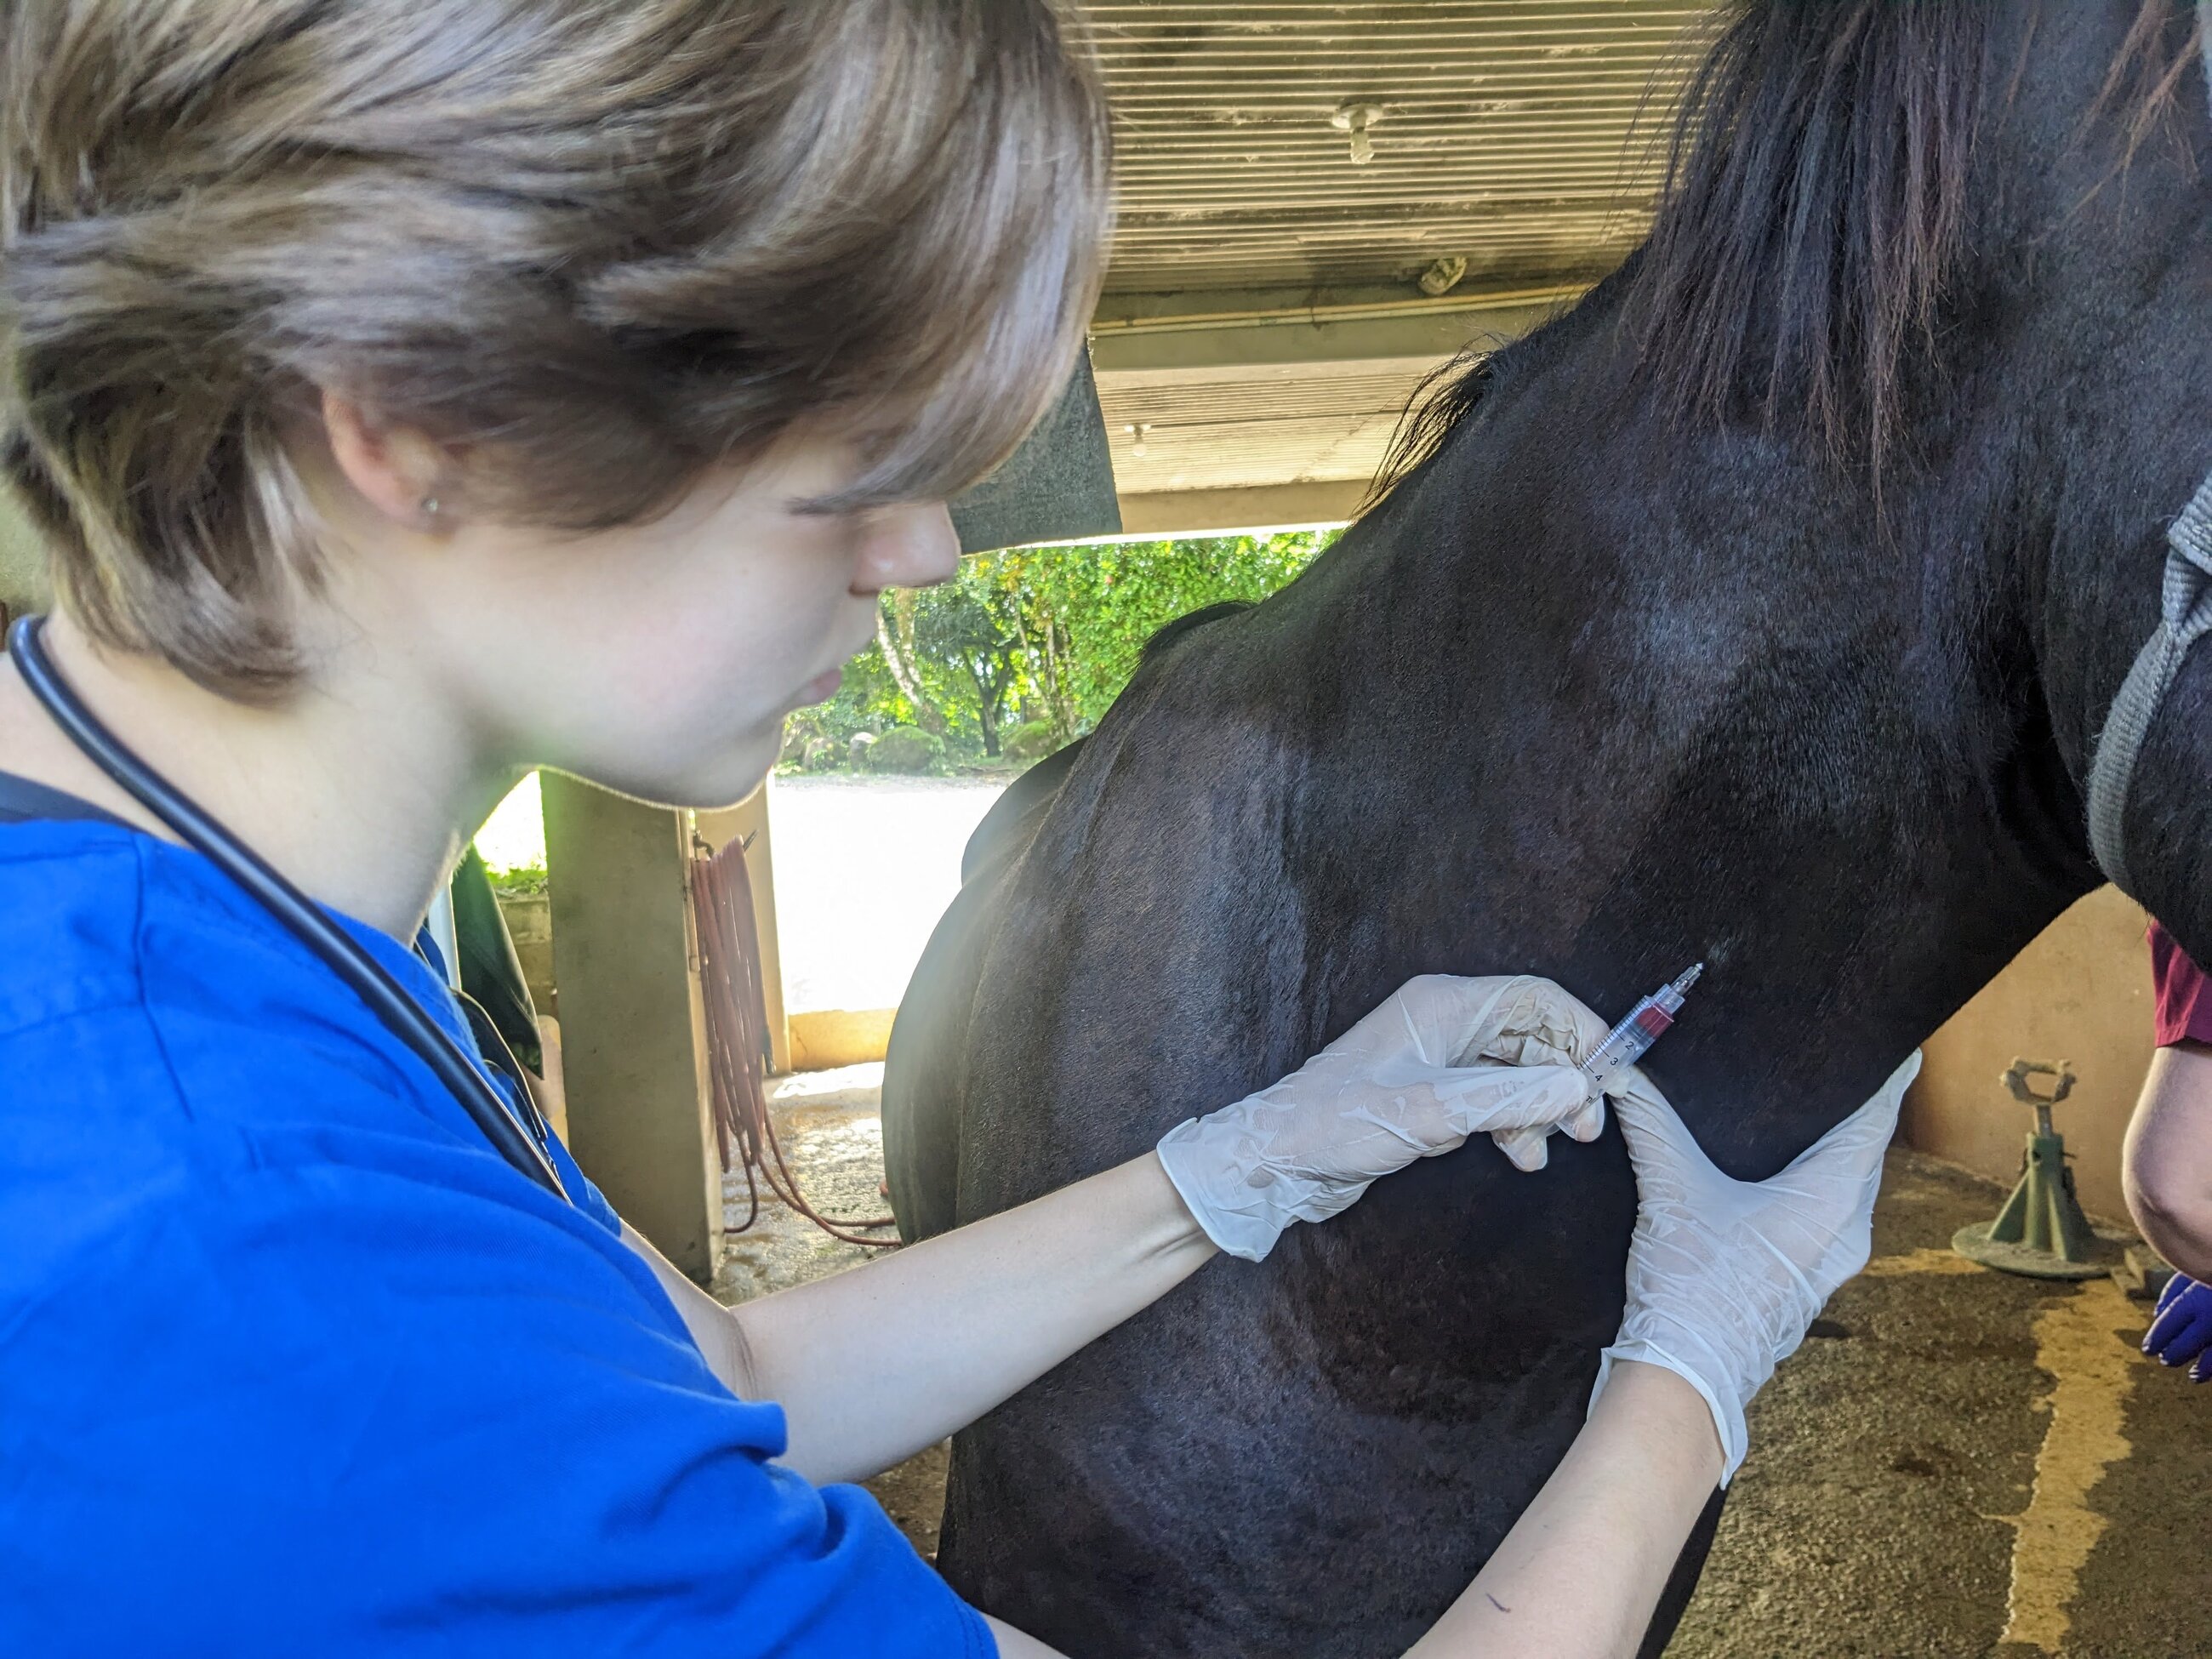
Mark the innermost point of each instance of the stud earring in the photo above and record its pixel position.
(429, 506)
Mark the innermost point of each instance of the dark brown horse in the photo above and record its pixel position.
(1763, 610)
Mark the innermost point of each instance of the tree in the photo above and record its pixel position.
(963, 625)
(894, 638)
(1082, 616)
(1050, 633)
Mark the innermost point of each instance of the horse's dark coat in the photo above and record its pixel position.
(1597, 690)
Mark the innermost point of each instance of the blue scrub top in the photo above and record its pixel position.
(291, 1363)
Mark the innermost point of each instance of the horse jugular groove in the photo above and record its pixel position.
(1776, 631)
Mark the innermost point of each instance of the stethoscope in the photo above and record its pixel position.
(345, 955)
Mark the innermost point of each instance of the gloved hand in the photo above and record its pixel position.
(2182, 1329)
(1548, 1027)
(1443, 1058)
(1724, 1276)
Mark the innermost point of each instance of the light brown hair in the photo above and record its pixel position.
(615, 243)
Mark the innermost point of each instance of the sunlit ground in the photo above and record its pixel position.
(514, 837)
(863, 868)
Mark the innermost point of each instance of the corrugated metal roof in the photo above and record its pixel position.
(1503, 136)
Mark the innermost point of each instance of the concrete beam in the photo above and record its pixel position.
(633, 1027)
(1213, 335)
(1294, 379)
(1168, 513)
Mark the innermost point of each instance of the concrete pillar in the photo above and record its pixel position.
(751, 821)
(632, 1025)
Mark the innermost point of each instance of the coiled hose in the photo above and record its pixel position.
(737, 1041)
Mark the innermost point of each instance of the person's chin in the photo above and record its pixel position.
(726, 780)
(735, 781)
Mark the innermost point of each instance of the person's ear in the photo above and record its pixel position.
(395, 469)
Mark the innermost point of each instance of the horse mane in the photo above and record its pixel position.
(1812, 212)
(1814, 202)
(1447, 395)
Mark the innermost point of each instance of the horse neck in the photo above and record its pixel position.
(1685, 694)
(1754, 606)
(2100, 253)
(1669, 690)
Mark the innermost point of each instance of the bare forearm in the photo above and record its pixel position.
(720, 1342)
(873, 1366)
(2168, 1159)
(1580, 1573)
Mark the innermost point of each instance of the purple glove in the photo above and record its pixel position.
(2182, 1329)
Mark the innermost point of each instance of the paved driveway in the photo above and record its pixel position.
(864, 868)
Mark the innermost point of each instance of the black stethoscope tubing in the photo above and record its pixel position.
(340, 953)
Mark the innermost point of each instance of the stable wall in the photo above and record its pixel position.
(2080, 993)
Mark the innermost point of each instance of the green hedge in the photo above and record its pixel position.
(1029, 742)
(905, 749)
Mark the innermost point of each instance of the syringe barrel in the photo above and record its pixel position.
(1630, 1040)
(1618, 1053)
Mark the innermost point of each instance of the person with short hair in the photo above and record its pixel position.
(410, 395)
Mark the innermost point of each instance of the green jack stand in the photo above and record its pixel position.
(2041, 1231)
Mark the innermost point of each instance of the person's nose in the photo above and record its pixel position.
(906, 547)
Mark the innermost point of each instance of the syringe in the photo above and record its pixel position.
(1630, 1040)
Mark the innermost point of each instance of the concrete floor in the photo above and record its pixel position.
(1970, 1464)
(1962, 1465)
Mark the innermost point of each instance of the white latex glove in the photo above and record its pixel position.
(1443, 1058)
(1567, 1033)
(1725, 1276)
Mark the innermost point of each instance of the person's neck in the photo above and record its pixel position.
(353, 788)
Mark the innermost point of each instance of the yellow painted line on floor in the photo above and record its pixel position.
(1920, 1261)
(2078, 1343)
